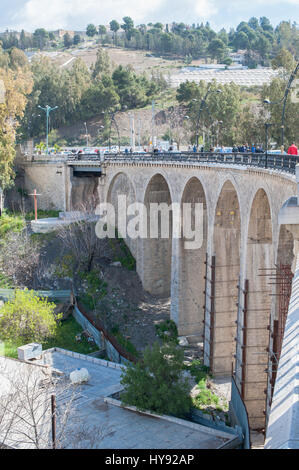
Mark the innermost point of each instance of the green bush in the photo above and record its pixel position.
(124, 342)
(27, 318)
(41, 214)
(167, 331)
(157, 383)
(10, 223)
(198, 370)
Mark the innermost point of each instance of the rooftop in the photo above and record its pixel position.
(122, 428)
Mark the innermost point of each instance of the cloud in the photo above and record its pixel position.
(53, 14)
(205, 8)
(76, 14)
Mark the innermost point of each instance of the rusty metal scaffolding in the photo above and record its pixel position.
(282, 279)
(210, 297)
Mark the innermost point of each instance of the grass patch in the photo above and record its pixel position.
(64, 338)
(41, 214)
(126, 259)
(205, 398)
(198, 370)
(5, 282)
(124, 342)
(11, 223)
(96, 289)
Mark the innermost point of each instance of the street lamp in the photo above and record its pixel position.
(267, 125)
(47, 110)
(202, 105)
(112, 120)
(284, 100)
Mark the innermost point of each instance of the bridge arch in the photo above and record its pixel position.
(157, 248)
(257, 315)
(121, 185)
(224, 277)
(191, 267)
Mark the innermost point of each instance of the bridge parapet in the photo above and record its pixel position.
(283, 424)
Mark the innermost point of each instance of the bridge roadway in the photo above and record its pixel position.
(220, 292)
(279, 162)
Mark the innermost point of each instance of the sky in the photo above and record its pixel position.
(76, 14)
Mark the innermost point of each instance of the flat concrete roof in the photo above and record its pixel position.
(123, 428)
(99, 421)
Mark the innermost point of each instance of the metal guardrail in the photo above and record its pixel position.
(280, 162)
(63, 295)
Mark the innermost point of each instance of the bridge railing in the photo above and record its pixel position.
(280, 162)
(283, 425)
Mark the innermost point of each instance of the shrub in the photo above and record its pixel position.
(28, 318)
(10, 223)
(157, 383)
(167, 331)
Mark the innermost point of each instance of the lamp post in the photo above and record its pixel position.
(284, 100)
(47, 110)
(267, 125)
(113, 120)
(201, 107)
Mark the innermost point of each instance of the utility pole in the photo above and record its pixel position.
(153, 124)
(139, 133)
(267, 125)
(132, 131)
(284, 100)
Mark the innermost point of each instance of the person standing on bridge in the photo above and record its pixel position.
(293, 149)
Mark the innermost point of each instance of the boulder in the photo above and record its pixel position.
(79, 376)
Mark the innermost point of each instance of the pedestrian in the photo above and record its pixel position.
(253, 149)
(293, 149)
(194, 148)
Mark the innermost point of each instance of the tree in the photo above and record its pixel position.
(77, 39)
(217, 49)
(26, 414)
(101, 30)
(67, 40)
(20, 259)
(265, 24)
(24, 42)
(262, 46)
(133, 91)
(91, 30)
(187, 91)
(275, 92)
(253, 23)
(127, 26)
(114, 26)
(27, 318)
(156, 383)
(16, 83)
(284, 59)
(102, 63)
(40, 38)
(79, 237)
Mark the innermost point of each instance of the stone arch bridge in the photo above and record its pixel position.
(221, 293)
